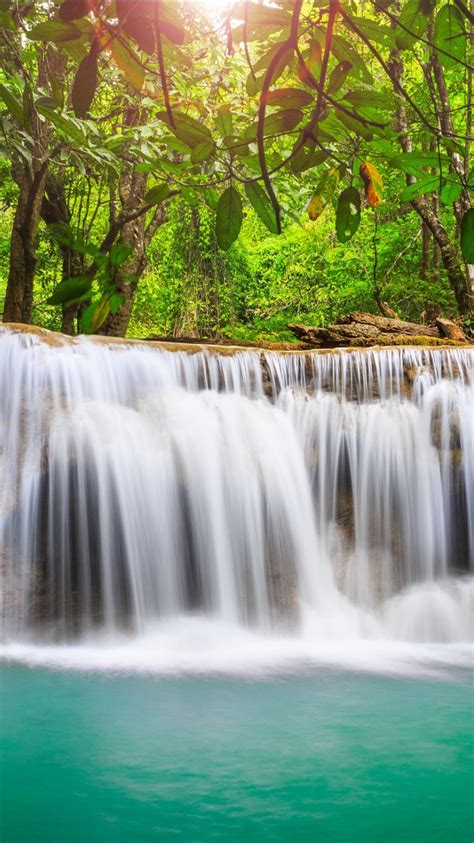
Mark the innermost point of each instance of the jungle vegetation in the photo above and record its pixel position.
(187, 168)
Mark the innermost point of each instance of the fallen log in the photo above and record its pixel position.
(450, 330)
(369, 329)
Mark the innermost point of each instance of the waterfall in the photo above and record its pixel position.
(301, 494)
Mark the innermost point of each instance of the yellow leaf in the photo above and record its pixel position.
(316, 206)
(373, 184)
(128, 63)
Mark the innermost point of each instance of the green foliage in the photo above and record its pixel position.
(228, 217)
(467, 236)
(348, 214)
(145, 109)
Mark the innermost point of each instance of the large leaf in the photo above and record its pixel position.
(139, 28)
(415, 18)
(419, 188)
(70, 128)
(467, 236)
(56, 31)
(74, 9)
(277, 123)
(323, 193)
(290, 97)
(228, 217)
(157, 194)
(262, 206)
(84, 85)
(450, 35)
(71, 290)
(373, 184)
(119, 254)
(347, 214)
(451, 191)
(414, 162)
(344, 51)
(374, 30)
(13, 103)
(316, 206)
(202, 152)
(95, 315)
(128, 63)
(339, 76)
(224, 121)
(187, 129)
(307, 157)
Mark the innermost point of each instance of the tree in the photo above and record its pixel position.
(297, 94)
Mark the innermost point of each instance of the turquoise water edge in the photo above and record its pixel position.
(334, 756)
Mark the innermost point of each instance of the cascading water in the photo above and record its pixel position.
(309, 497)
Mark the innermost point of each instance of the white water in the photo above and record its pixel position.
(177, 511)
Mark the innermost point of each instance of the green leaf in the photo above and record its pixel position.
(413, 162)
(73, 9)
(277, 123)
(116, 301)
(68, 126)
(70, 290)
(13, 103)
(450, 35)
(211, 198)
(223, 121)
(415, 17)
(84, 85)
(347, 214)
(119, 254)
(290, 97)
(254, 85)
(369, 99)
(374, 30)
(46, 102)
(419, 188)
(56, 31)
(128, 64)
(343, 51)
(95, 315)
(450, 192)
(228, 217)
(202, 151)
(262, 206)
(338, 76)
(467, 236)
(306, 158)
(187, 129)
(157, 194)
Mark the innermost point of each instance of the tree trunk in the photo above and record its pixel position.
(136, 233)
(31, 179)
(55, 211)
(19, 294)
(455, 270)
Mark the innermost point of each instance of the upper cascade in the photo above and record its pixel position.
(261, 488)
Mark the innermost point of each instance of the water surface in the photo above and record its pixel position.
(334, 756)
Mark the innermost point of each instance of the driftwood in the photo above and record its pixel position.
(450, 330)
(368, 329)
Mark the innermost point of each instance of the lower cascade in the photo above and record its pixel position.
(313, 495)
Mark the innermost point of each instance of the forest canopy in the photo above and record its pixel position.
(193, 169)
